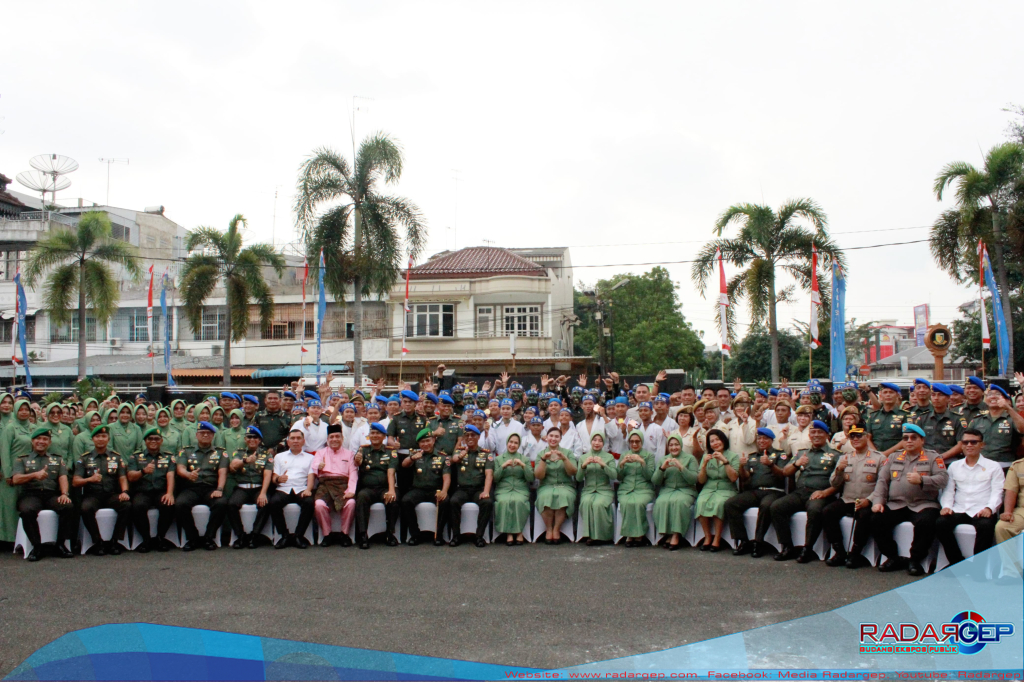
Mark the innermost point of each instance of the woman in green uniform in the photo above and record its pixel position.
(217, 417)
(513, 476)
(6, 409)
(636, 468)
(15, 440)
(232, 436)
(597, 501)
(556, 495)
(82, 423)
(719, 469)
(125, 437)
(60, 434)
(82, 444)
(141, 416)
(677, 477)
(190, 416)
(172, 436)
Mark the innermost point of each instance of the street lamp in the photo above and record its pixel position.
(605, 328)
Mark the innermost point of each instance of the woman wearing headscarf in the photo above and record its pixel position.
(60, 434)
(677, 476)
(217, 417)
(232, 436)
(597, 470)
(171, 436)
(15, 440)
(140, 414)
(719, 469)
(556, 494)
(82, 443)
(125, 436)
(513, 475)
(636, 468)
(6, 409)
(190, 417)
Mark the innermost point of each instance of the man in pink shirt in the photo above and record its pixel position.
(338, 474)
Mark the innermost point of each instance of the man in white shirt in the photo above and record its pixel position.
(354, 430)
(617, 427)
(294, 480)
(506, 426)
(972, 496)
(655, 437)
(313, 428)
(591, 423)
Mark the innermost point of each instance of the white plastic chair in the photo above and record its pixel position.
(48, 521)
(965, 535)
(539, 528)
(106, 519)
(426, 517)
(870, 551)
(154, 516)
(652, 533)
(376, 524)
(247, 512)
(698, 534)
(903, 534)
(470, 514)
(750, 523)
(292, 511)
(201, 516)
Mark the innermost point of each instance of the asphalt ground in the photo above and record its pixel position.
(532, 605)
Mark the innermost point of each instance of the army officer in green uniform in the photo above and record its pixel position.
(402, 432)
(43, 482)
(203, 470)
(447, 430)
(763, 483)
(1000, 425)
(252, 468)
(376, 484)
(942, 426)
(474, 478)
(431, 481)
(885, 425)
(151, 475)
(101, 475)
(813, 493)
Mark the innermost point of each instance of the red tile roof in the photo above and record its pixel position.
(477, 261)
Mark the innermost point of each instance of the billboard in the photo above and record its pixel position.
(920, 322)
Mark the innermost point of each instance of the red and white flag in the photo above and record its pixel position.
(149, 313)
(986, 339)
(815, 298)
(14, 330)
(408, 272)
(723, 304)
(305, 276)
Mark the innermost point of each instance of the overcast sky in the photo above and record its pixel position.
(621, 130)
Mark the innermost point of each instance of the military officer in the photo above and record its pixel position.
(941, 425)
(1000, 425)
(402, 437)
(250, 406)
(974, 399)
(43, 482)
(475, 476)
(908, 489)
(203, 470)
(885, 423)
(273, 422)
(763, 482)
(252, 468)
(376, 484)
(101, 475)
(922, 397)
(151, 476)
(814, 492)
(430, 483)
(855, 475)
(447, 429)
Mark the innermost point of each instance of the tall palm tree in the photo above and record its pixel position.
(768, 241)
(78, 261)
(359, 232)
(990, 187)
(215, 256)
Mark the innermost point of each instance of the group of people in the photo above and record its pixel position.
(936, 460)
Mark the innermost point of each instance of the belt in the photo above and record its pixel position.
(248, 486)
(768, 487)
(403, 451)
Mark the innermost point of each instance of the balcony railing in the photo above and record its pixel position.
(27, 216)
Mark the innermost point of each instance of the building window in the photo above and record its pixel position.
(215, 324)
(7, 328)
(522, 320)
(430, 319)
(68, 333)
(10, 261)
(485, 321)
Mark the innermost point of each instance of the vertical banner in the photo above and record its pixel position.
(405, 316)
(320, 313)
(149, 314)
(22, 303)
(815, 298)
(167, 329)
(920, 322)
(1002, 338)
(838, 338)
(305, 276)
(723, 306)
(986, 339)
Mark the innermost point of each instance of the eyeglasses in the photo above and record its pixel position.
(857, 435)
(971, 442)
(910, 437)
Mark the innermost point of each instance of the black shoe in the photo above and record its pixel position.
(705, 545)
(187, 547)
(164, 545)
(254, 540)
(63, 552)
(97, 550)
(915, 568)
(346, 541)
(856, 560)
(391, 540)
(282, 543)
(301, 542)
(807, 555)
(209, 544)
(480, 542)
(788, 553)
(239, 543)
(838, 557)
(144, 546)
(438, 541)
(412, 541)
(673, 548)
(743, 548)
(364, 543)
(113, 548)
(455, 541)
(890, 565)
(715, 548)
(329, 540)
(758, 550)
(33, 555)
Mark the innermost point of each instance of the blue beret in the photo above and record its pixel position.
(773, 391)
(228, 394)
(733, 395)
(249, 398)
(313, 402)
(207, 426)
(913, 428)
(997, 387)
(311, 394)
(647, 404)
(786, 389)
(493, 400)
(813, 382)
(531, 392)
(431, 397)
(661, 398)
(447, 399)
(411, 395)
(941, 388)
(393, 398)
(288, 394)
(891, 386)
(924, 382)
(508, 403)
(373, 406)
(554, 400)
(516, 386)
(144, 396)
(380, 399)
(977, 381)
(348, 406)
(767, 433)
(762, 392)
(956, 389)
(377, 426)
(472, 429)
(253, 431)
(621, 401)
(537, 420)
(818, 424)
(566, 410)
(589, 397)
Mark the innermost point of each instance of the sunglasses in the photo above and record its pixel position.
(859, 434)
(971, 442)
(910, 437)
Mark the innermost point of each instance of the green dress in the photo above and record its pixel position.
(672, 509)
(182, 425)
(172, 440)
(81, 424)
(82, 443)
(125, 439)
(557, 489)
(60, 442)
(635, 491)
(597, 501)
(14, 442)
(512, 494)
(718, 488)
(231, 440)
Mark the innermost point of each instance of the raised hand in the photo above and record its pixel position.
(582, 381)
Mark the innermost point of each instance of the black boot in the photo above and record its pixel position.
(144, 546)
(787, 553)
(838, 557)
(744, 547)
(758, 550)
(914, 568)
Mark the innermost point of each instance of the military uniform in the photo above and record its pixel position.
(856, 483)
(1014, 480)
(37, 495)
(905, 501)
(148, 491)
(404, 428)
(471, 471)
(1001, 438)
(969, 411)
(208, 462)
(274, 426)
(760, 490)
(446, 442)
(428, 477)
(373, 483)
(810, 478)
(886, 427)
(248, 484)
(942, 431)
(105, 494)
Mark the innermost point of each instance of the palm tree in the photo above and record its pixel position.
(78, 262)
(977, 189)
(360, 235)
(767, 241)
(215, 255)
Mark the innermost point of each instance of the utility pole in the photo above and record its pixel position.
(108, 162)
(599, 319)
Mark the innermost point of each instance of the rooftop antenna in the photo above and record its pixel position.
(489, 242)
(108, 162)
(38, 181)
(352, 121)
(273, 220)
(54, 166)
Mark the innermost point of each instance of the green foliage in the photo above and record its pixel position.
(967, 336)
(649, 331)
(93, 388)
(55, 397)
(751, 357)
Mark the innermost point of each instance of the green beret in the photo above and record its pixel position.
(102, 428)
(41, 431)
(425, 433)
(151, 431)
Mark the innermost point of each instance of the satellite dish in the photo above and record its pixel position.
(38, 181)
(53, 164)
(47, 178)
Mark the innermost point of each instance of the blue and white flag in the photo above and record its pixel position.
(167, 330)
(321, 311)
(838, 372)
(1002, 337)
(22, 304)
